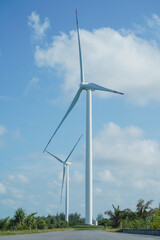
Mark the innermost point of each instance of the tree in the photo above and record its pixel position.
(60, 216)
(115, 216)
(142, 208)
(41, 223)
(11, 225)
(99, 217)
(19, 217)
(61, 224)
(31, 221)
(74, 219)
(4, 223)
(127, 213)
(51, 222)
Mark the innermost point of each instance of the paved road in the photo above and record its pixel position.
(80, 235)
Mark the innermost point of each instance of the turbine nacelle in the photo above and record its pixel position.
(93, 87)
(85, 86)
(67, 163)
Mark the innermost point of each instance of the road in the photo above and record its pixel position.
(80, 235)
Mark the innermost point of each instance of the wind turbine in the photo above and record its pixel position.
(88, 87)
(66, 177)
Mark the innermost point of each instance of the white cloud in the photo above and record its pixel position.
(18, 179)
(97, 191)
(16, 193)
(105, 176)
(2, 188)
(55, 184)
(5, 98)
(154, 26)
(119, 61)
(50, 208)
(142, 184)
(39, 29)
(32, 198)
(16, 134)
(154, 21)
(78, 177)
(11, 177)
(23, 179)
(8, 202)
(31, 84)
(125, 145)
(2, 130)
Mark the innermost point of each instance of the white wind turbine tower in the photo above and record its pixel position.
(88, 87)
(66, 177)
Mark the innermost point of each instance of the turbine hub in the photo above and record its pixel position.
(86, 86)
(68, 163)
(83, 86)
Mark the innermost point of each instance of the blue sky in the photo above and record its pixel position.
(39, 75)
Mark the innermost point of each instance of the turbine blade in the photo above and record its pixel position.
(80, 54)
(75, 99)
(93, 86)
(64, 172)
(55, 157)
(73, 149)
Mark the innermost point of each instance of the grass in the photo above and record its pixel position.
(112, 229)
(88, 227)
(4, 233)
(78, 227)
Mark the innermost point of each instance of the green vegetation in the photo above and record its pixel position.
(22, 223)
(8, 232)
(144, 217)
(113, 229)
(88, 227)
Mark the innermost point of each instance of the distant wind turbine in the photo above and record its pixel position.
(88, 87)
(66, 177)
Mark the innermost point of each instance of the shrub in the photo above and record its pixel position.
(41, 223)
(4, 223)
